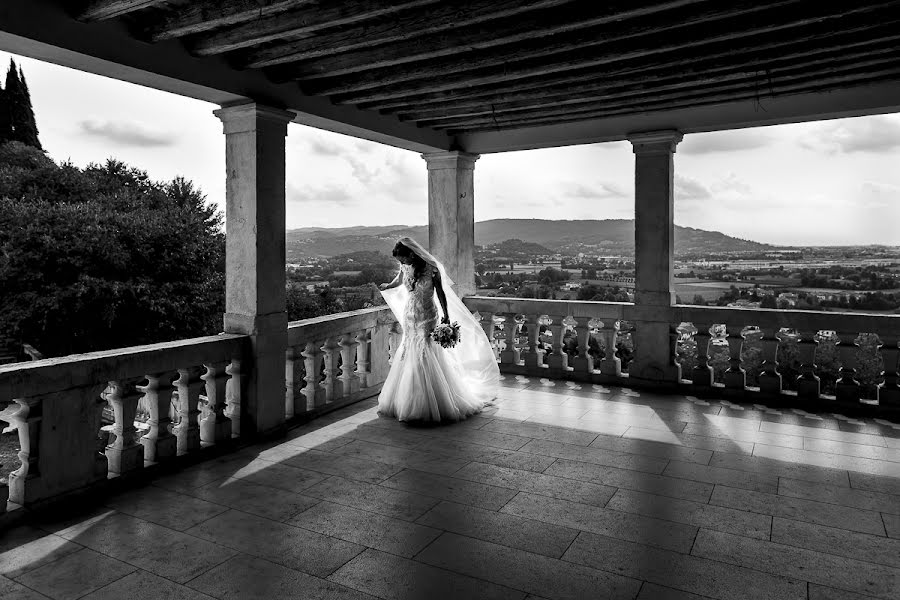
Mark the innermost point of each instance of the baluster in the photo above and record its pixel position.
(702, 374)
(290, 381)
(362, 357)
(487, 324)
(533, 355)
(583, 362)
(394, 339)
(234, 395)
(807, 382)
(25, 415)
(349, 379)
(313, 391)
(735, 377)
(770, 378)
(558, 360)
(510, 353)
(846, 388)
(610, 364)
(889, 389)
(189, 386)
(673, 352)
(330, 381)
(215, 426)
(159, 443)
(124, 452)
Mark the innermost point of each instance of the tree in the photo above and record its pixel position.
(103, 257)
(19, 124)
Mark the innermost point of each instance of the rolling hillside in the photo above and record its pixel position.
(613, 234)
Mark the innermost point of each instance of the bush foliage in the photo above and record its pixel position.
(104, 257)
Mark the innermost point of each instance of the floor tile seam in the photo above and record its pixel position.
(44, 564)
(798, 520)
(111, 582)
(796, 497)
(534, 554)
(337, 500)
(651, 516)
(564, 429)
(462, 438)
(832, 454)
(615, 453)
(788, 577)
(669, 583)
(519, 489)
(368, 512)
(800, 546)
(31, 589)
(416, 559)
(622, 469)
(453, 476)
(764, 473)
(864, 444)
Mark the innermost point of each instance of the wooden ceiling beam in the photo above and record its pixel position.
(99, 10)
(403, 27)
(610, 40)
(804, 43)
(299, 22)
(797, 85)
(738, 81)
(737, 64)
(581, 15)
(206, 15)
(465, 72)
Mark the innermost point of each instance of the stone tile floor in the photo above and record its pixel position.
(558, 491)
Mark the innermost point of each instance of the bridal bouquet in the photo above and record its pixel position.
(446, 334)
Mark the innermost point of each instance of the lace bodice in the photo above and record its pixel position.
(421, 314)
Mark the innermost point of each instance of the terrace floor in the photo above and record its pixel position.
(558, 491)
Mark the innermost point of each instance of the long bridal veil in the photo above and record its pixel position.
(473, 353)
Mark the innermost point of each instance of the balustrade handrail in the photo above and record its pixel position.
(805, 320)
(317, 327)
(574, 308)
(77, 370)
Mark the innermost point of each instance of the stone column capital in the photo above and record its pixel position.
(450, 160)
(655, 142)
(241, 118)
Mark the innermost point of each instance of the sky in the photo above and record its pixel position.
(822, 183)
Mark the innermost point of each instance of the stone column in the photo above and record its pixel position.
(451, 215)
(255, 254)
(654, 241)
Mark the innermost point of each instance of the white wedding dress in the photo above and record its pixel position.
(428, 382)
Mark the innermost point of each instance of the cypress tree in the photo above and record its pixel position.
(5, 124)
(26, 129)
(21, 115)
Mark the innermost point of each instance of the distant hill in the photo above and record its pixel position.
(597, 236)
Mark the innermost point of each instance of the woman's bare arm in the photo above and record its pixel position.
(442, 297)
(397, 281)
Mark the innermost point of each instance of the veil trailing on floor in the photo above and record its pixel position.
(473, 352)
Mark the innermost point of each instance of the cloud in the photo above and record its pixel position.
(878, 188)
(324, 196)
(325, 148)
(688, 189)
(871, 134)
(127, 133)
(723, 141)
(595, 191)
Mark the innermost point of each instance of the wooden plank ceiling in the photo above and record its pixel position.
(494, 65)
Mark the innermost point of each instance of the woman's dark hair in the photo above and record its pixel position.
(417, 262)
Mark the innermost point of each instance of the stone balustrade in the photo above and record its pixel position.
(578, 341)
(172, 400)
(190, 391)
(348, 354)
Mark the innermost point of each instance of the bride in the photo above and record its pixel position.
(428, 382)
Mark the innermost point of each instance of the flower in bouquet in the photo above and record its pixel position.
(446, 334)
